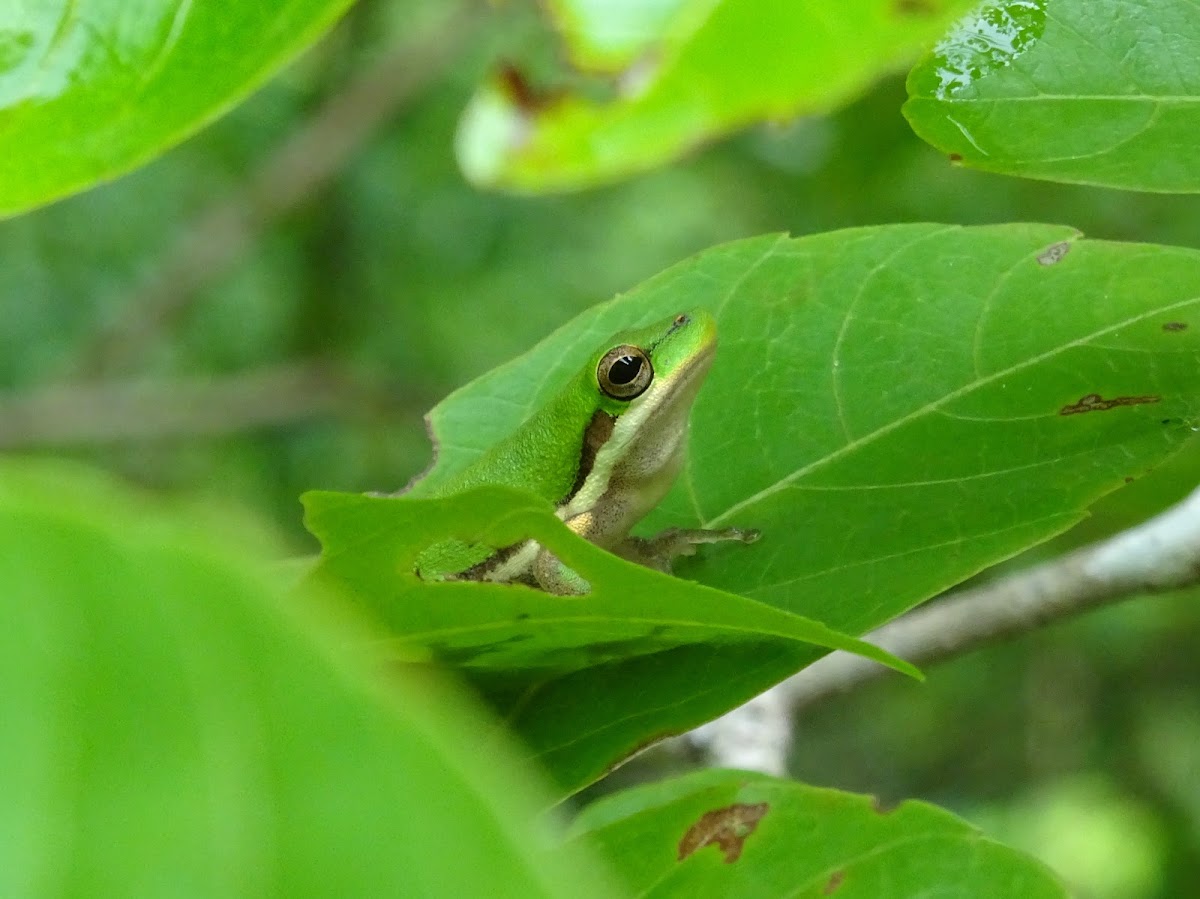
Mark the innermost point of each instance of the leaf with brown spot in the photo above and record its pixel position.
(1054, 253)
(1093, 402)
(679, 78)
(726, 828)
(813, 843)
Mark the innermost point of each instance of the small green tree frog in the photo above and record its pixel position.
(605, 450)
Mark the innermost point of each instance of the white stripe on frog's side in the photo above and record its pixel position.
(639, 459)
(515, 564)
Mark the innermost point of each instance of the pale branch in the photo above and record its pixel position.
(112, 412)
(1160, 554)
(312, 155)
(756, 736)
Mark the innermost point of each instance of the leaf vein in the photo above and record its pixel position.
(835, 364)
(936, 405)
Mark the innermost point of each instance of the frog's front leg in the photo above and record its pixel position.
(660, 550)
(549, 574)
(656, 552)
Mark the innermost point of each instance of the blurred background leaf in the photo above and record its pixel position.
(677, 74)
(89, 90)
(176, 725)
(1051, 89)
(305, 351)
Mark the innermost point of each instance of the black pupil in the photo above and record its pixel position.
(624, 369)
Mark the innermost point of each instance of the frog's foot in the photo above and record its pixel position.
(552, 576)
(658, 551)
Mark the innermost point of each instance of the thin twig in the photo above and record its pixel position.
(307, 160)
(88, 415)
(1160, 554)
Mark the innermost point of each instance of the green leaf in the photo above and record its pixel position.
(174, 724)
(604, 36)
(558, 669)
(896, 408)
(92, 89)
(703, 69)
(733, 833)
(1090, 91)
(370, 545)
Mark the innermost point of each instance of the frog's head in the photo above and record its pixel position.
(656, 369)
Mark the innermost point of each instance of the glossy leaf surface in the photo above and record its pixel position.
(90, 89)
(895, 407)
(1100, 92)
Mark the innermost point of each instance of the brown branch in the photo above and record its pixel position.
(219, 235)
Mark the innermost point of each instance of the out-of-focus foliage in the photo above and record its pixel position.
(678, 74)
(90, 89)
(1081, 746)
(403, 280)
(176, 725)
(1095, 91)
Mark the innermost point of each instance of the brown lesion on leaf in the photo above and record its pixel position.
(1175, 326)
(956, 157)
(835, 881)
(727, 828)
(1054, 253)
(1093, 402)
(527, 97)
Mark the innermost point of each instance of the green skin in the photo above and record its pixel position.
(604, 461)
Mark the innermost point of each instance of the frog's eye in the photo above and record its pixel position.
(624, 372)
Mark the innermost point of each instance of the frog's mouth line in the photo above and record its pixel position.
(657, 395)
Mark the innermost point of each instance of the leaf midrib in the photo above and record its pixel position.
(933, 406)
